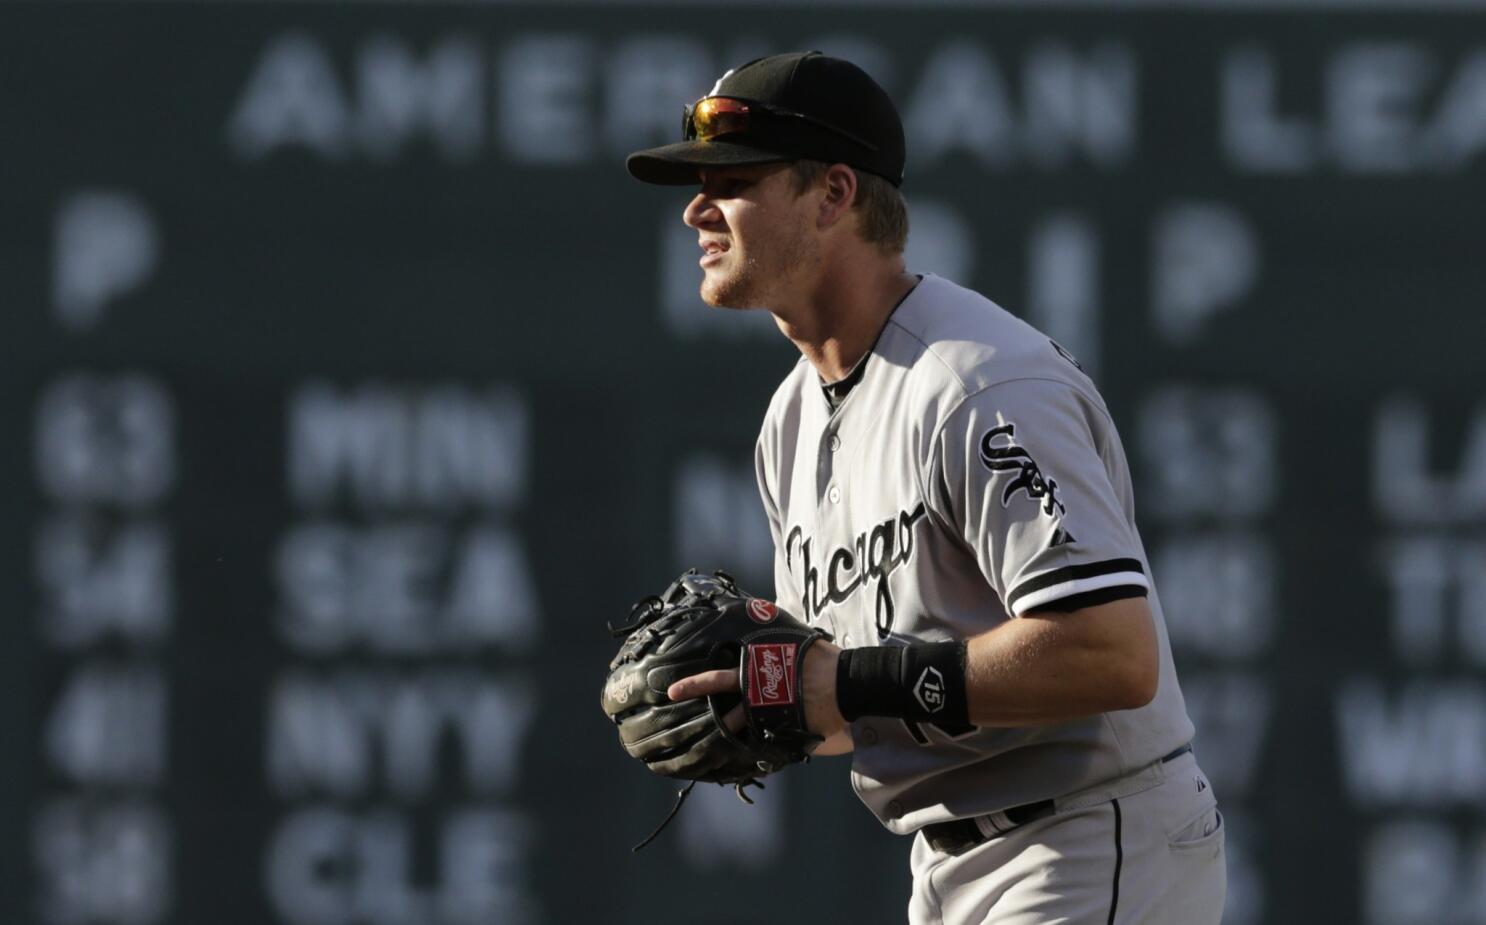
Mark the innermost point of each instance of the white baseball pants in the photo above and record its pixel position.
(1145, 849)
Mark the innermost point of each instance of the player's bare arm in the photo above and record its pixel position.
(1042, 668)
(1049, 667)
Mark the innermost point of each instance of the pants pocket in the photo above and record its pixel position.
(1204, 831)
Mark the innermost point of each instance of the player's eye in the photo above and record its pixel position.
(726, 187)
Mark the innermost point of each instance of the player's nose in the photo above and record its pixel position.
(701, 212)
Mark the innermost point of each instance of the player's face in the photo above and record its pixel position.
(754, 234)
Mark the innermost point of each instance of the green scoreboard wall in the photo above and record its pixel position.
(349, 385)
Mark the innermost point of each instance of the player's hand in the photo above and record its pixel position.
(818, 686)
(721, 681)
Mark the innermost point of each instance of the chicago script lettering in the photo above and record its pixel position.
(871, 557)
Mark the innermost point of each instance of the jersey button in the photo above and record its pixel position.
(834, 443)
(895, 809)
(869, 735)
(834, 494)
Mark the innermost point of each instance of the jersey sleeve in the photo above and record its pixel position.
(1031, 473)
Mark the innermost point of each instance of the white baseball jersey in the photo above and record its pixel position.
(972, 475)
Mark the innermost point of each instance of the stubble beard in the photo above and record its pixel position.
(734, 287)
(759, 279)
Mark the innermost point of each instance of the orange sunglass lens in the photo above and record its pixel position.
(717, 116)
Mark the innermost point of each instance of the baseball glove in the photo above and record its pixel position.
(698, 624)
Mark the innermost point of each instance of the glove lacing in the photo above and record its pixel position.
(685, 792)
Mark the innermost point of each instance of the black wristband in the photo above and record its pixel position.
(924, 681)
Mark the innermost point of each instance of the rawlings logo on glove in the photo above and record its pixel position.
(761, 610)
(771, 669)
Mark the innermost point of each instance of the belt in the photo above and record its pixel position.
(960, 835)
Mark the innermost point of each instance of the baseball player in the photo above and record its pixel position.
(950, 501)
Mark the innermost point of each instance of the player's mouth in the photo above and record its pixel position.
(712, 252)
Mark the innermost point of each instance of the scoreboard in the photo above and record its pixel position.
(350, 385)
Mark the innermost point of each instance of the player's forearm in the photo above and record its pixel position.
(1040, 669)
(1050, 667)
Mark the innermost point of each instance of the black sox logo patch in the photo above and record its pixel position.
(873, 556)
(1007, 456)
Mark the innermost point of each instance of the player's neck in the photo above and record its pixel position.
(840, 321)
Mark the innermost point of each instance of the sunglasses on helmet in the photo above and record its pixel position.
(714, 116)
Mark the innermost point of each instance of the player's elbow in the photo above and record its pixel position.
(1135, 685)
(1126, 658)
(1139, 674)
(1132, 657)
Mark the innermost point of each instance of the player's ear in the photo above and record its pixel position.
(840, 193)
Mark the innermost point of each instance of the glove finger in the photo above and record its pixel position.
(654, 720)
(669, 739)
(700, 765)
(703, 760)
